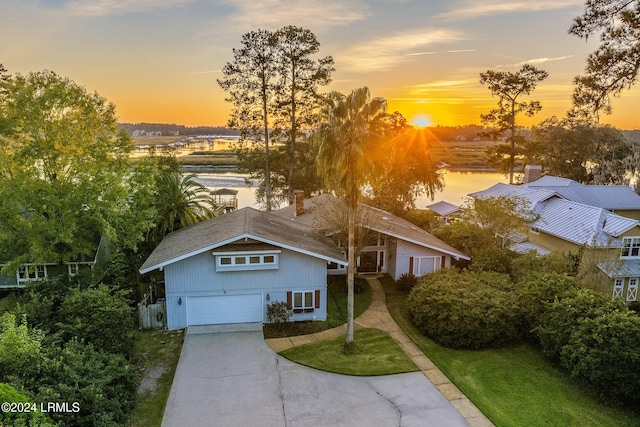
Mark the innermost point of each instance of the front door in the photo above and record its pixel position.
(368, 262)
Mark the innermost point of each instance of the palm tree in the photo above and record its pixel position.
(346, 139)
(181, 202)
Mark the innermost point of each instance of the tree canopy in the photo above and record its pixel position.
(273, 84)
(614, 65)
(346, 140)
(64, 172)
(297, 99)
(583, 152)
(509, 87)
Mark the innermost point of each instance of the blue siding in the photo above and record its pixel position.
(197, 276)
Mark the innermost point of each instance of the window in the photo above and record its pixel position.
(259, 260)
(73, 269)
(618, 286)
(632, 289)
(631, 248)
(27, 273)
(303, 302)
(335, 266)
(424, 265)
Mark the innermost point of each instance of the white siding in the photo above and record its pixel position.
(406, 250)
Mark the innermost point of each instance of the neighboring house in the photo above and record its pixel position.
(566, 225)
(393, 245)
(229, 268)
(619, 199)
(30, 272)
(444, 210)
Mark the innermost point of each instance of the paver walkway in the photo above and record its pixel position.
(377, 316)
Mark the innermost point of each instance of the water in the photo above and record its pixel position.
(457, 186)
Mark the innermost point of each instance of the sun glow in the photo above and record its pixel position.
(421, 121)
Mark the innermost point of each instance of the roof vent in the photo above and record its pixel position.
(385, 218)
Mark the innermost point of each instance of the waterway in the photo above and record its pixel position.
(457, 186)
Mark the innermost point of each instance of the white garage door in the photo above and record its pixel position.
(221, 309)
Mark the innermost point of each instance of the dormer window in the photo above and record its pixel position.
(258, 260)
(631, 248)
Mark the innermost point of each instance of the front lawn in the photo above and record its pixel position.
(336, 309)
(513, 386)
(376, 354)
(156, 356)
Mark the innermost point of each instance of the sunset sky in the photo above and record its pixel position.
(158, 60)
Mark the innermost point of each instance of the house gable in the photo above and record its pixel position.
(246, 225)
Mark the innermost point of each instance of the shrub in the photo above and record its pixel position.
(467, 309)
(536, 291)
(555, 262)
(605, 351)
(103, 384)
(561, 317)
(100, 316)
(486, 252)
(44, 299)
(20, 419)
(278, 313)
(406, 282)
(19, 346)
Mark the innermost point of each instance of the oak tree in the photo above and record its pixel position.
(65, 177)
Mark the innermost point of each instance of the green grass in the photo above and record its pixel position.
(376, 353)
(336, 310)
(156, 354)
(514, 386)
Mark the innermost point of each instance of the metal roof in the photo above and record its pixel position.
(443, 208)
(531, 195)
(526, 247)
(620, 267)
(319, 208)
(581, 224)
(224, 192)
(611, 197)
(246, 223)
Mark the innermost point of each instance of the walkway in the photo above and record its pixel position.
(377, 316)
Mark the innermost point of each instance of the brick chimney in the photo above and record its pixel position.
(532, 173)
(298, 196)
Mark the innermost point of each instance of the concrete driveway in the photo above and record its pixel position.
(233, 379)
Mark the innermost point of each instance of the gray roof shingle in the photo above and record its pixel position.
(317, 209)
(246, 222)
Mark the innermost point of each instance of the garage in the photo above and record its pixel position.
(220, 309)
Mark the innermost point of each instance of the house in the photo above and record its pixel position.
(229, 268)
(444, 210)
(29, 272)
(570, 217)
(619, 199)
(392, 244)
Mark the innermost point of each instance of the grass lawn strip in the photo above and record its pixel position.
(156, 357)
(336, 310)
(514, 386)
(376, 354)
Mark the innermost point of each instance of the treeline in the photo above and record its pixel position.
(171, 129)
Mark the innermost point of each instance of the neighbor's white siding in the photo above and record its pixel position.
(399, 264)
